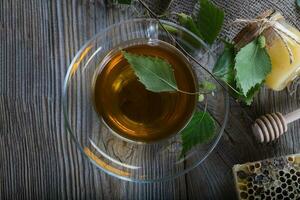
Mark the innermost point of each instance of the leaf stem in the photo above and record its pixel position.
(191, 93)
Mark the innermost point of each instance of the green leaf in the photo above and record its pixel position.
(224, 67)
(201, 97)
(298, 3)
(252, 66)
(124, 1)
(207, 86)
(261, 41)
(154, 73)
(200, 130)
(248, 99)
(188, 22)
(224, 70)
(170, 29)
(209, 21)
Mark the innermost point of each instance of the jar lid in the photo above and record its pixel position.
(252, 30)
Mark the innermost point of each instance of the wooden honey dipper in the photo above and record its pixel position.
(270, 126)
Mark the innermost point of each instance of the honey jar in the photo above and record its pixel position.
(282, 45)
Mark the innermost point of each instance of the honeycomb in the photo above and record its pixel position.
(275, 178)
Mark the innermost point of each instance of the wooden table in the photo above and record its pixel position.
(38, 159)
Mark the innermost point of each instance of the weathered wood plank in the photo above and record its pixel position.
(37, 41)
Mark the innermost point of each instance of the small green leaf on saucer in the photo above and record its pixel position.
(200, 129)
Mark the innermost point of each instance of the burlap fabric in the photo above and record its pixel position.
(234, 9)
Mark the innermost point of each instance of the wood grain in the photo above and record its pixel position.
(38, 159)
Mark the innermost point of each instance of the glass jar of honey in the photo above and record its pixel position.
(282, 45)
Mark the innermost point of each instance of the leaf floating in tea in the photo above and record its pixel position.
(154, 73)
(157, 75)
(200, 129)
(252, 66)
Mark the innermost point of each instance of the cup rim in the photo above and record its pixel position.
(129, 44)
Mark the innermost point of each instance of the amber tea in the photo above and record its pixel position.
(136, 113)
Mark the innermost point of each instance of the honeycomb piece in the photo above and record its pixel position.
(275, 178)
